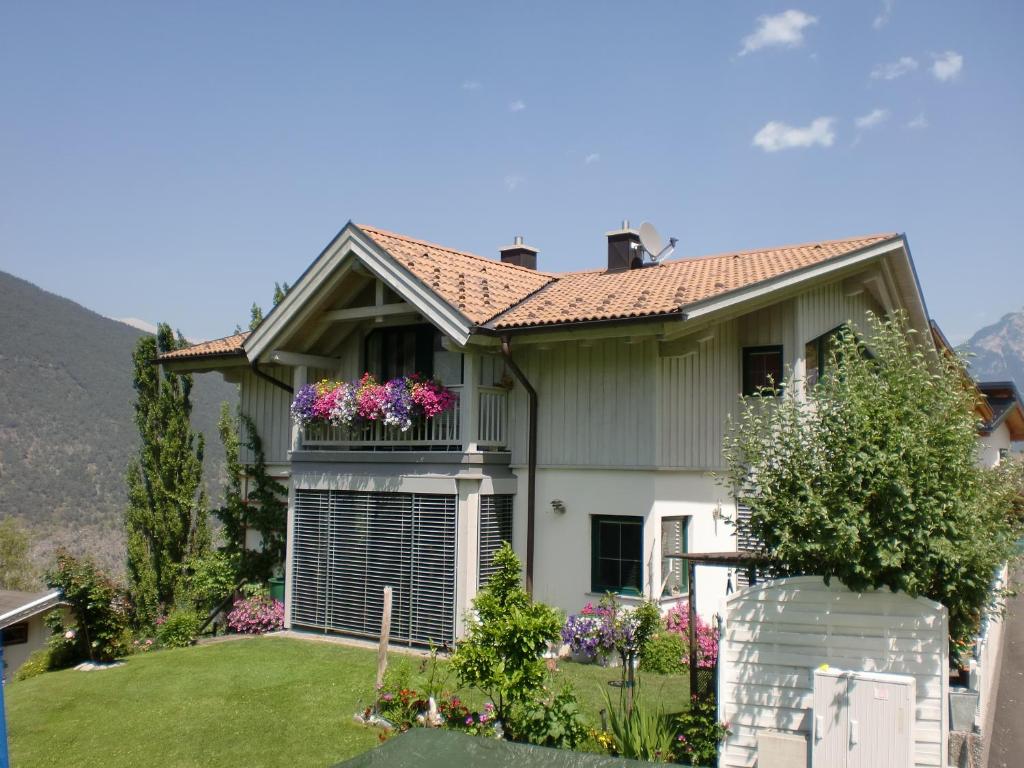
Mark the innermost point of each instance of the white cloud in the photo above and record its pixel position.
(894, 69)
(883, 18)
(593, 157)
(918, 122)
(517, 106)
(873, 118)
(947, 65)
(471, 85)
(784, 29)
(775, 136)
(514, 181)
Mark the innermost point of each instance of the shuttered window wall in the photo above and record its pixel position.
(349, 545)
(495, 528)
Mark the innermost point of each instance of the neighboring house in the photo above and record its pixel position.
(1005, 425)
(633, 370)
(21, 621)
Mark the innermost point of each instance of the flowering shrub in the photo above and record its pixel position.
(700, 733)
(395, 403)
(591, 632)
(678, 620)
(256, 615)
(459, 717)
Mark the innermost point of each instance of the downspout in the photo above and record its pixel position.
(531, 461)
(267, 377)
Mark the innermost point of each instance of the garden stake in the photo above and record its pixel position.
(385, 633)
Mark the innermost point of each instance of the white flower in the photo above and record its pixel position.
(69, 635)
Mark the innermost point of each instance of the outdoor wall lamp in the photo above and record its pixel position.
(717, 511)
(558, 506)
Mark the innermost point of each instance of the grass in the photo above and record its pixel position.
(255, 702)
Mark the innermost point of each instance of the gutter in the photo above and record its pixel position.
(531, 461)
(255, 366)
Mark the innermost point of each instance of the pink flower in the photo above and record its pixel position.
(69, 635)
(469, 719)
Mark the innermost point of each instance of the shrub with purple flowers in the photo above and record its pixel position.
(256, 615)
(396, 403)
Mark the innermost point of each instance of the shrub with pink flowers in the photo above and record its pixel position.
(678, 620)
(396, 403)
(256, 615)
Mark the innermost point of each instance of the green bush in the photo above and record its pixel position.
(551, 721)
(179, 629)
(208, 580)
(35, 665)
(99, 611)
(663, 654)
(700, 733)
(502, 654)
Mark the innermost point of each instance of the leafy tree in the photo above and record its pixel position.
(505, 641)
(166, 517)
(16, 568)
(265, 510)
(98, 608)
(872, 477)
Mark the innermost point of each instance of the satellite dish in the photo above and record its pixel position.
(653, 244)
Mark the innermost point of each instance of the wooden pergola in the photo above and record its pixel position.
(740, 559)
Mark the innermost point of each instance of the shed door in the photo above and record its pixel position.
(349, 545)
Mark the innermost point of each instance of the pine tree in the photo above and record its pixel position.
(166, 518)
(255, 316)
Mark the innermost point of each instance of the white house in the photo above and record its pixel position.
(592, 407)
(21, 623)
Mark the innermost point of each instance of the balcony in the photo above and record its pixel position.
(477, 424)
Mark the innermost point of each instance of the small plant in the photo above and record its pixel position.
(34, 665)
(457, 716)
(664, 654)
(256, 615)
(179, 629)
(551, 721)
(700, 733)
(640, 733)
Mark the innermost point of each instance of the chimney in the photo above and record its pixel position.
(519, 254)
(624, 251)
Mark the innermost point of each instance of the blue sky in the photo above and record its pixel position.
(170, 163)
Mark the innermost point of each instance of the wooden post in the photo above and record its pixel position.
(692, 611)
(385, 635)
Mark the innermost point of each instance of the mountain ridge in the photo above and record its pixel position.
(67, 427)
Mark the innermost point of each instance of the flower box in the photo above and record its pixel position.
(396, 404)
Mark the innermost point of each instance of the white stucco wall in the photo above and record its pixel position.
(563, 540)
(16, 655)
(989, 446)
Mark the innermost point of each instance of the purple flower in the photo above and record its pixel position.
(302, 405)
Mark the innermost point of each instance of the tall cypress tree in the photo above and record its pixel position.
(166, 518)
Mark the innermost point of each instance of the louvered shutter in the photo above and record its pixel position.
(364, 541)
(495, 528)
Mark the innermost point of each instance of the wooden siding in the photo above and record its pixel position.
(267, 405)
(596, 403)
(696, 394)
(777, 633)
(819, 310)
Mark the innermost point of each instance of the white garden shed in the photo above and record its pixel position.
(777, 633)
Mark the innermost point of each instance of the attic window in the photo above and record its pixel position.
(762, 368)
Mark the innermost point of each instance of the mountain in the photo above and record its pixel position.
(997, 350)
(66, 421)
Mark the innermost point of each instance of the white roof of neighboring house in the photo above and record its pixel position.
(18, 606)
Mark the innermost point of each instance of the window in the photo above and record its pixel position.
(617, 552)
(817, 352)
(674, 574)
(16, 634)
(762, 367)
(401, 351)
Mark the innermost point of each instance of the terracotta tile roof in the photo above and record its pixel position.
(668, 287)
(229, 345)
(478, 287)
(502, 296)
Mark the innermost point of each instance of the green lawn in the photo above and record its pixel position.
(254, 702)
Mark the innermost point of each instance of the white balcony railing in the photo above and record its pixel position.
(444, 432)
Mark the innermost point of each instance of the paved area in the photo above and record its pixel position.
(1007, 745)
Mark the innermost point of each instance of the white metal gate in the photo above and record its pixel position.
(349, 545)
